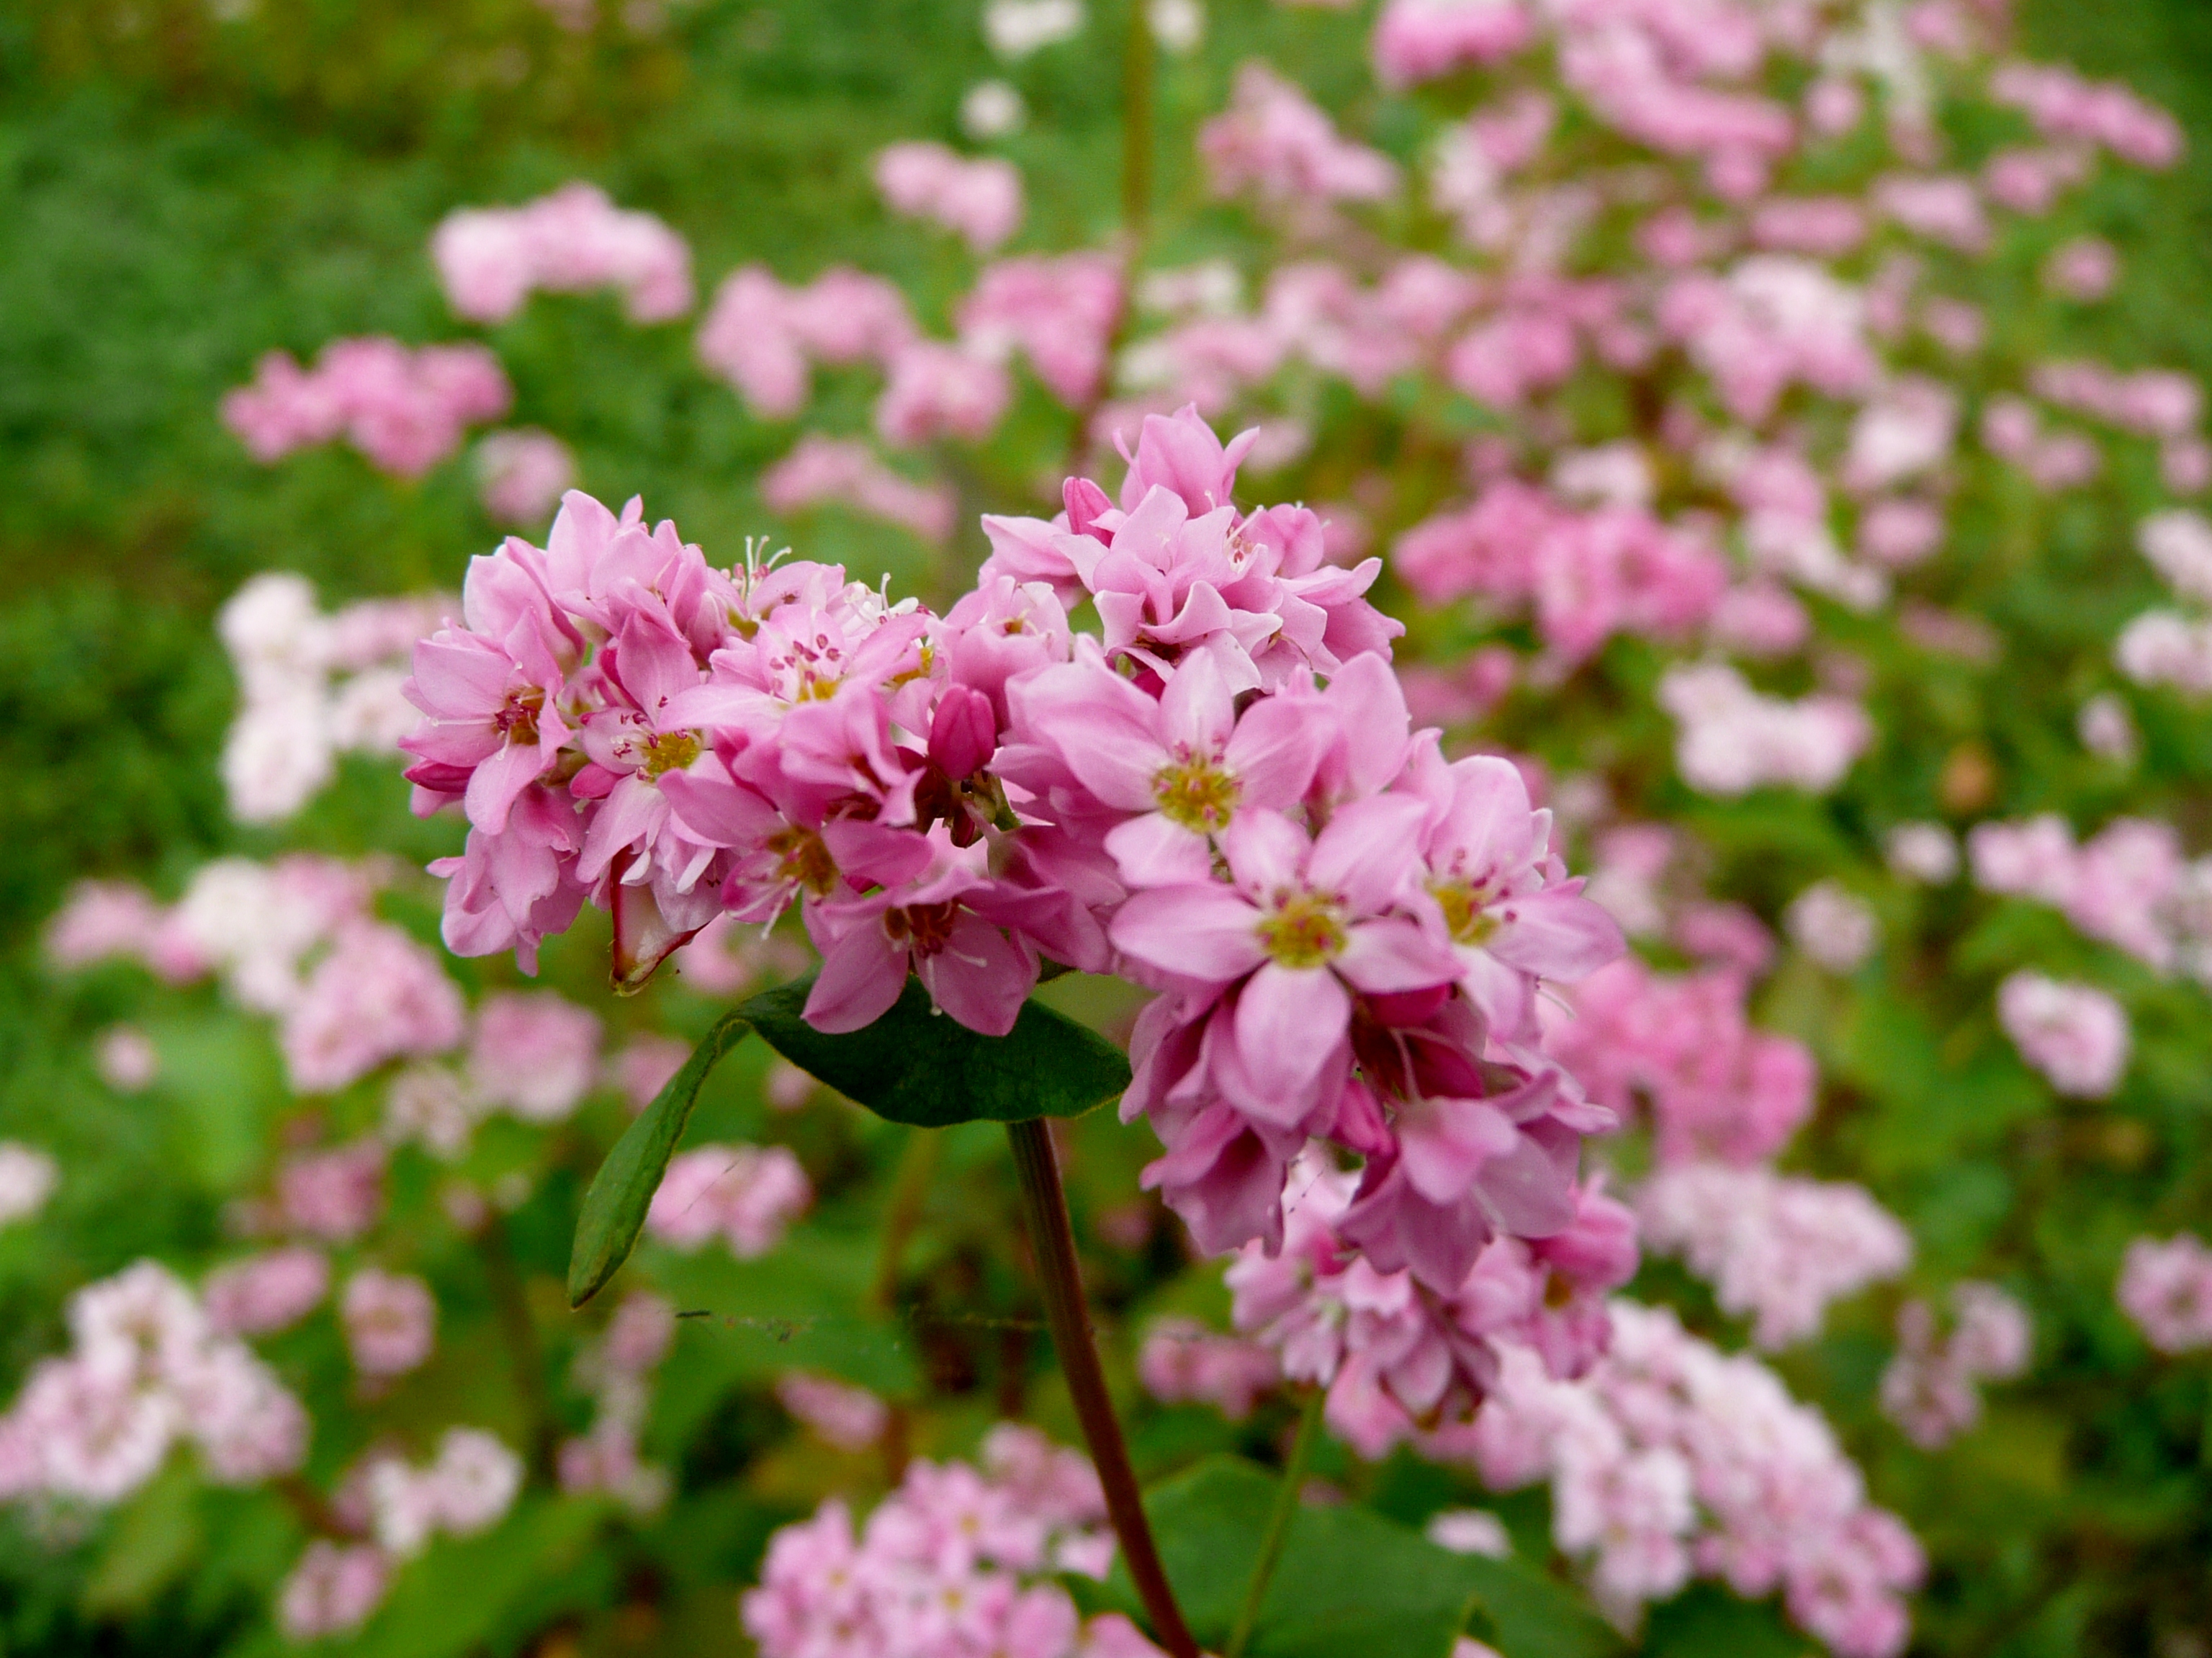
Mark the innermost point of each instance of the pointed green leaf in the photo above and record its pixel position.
(620, 1194)
(917, 1066)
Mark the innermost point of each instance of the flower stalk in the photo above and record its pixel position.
(1278, 1522)
(1044, 1208)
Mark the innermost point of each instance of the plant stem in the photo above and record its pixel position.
(1278, 1522)
(1137, 55)
(917, 1165)
(1044, 1206)
(525, 1359)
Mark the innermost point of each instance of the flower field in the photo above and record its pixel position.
(1077, 829)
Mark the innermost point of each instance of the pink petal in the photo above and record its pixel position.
(1198, 932)
(1443, 1144)
(1393, 954)
(981, 977)
(1102, 726)
(1154, 850)
(1288, 1021)
(1369, 852)
(1274, 747)
(1556, 935)
(1197, 710)
(862, 974)
(1267, 852)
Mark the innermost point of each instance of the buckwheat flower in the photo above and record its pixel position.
(430, 1105)
(1832, 926)
(847, 1418)
(266, 1293)
(645, 1065)
(2076, 1035)
(522, 475)
(248, 1426)
(1732, 739)
(1469, 1531)
(1417, 40)
(1060, 312)
(377, 996)
(935, 390)
(489, 259)
(100, 921)
(746, 1195)
(1923, 852)
(2167, 1289)
(334, 1195)
(982, 200)
(1183, 1361)
(390, 1321)
(1930, 1389)
(1275, 142)
(475, 1480)
(1015, 28)
(332, 1590)
(92, 1433)
(28, 1178)
(534, 1053)
(991, 109)
(1776, 1248)
(2082, 270)
(847, 472)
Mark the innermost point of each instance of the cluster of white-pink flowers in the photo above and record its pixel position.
(1931, 1388)
(618, 1370)
(2130, 885)
(956, 1563)
(491, 258)
(147, 1369)
(1671, 1459)
(1776, 1248)
(312, 685)
(405, 409)
(1347, 931)
(390, 1510)
(2075, 1034)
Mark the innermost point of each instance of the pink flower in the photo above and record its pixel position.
(522, 474)
(1060, 313)
(332, 1590)
(575, 239)
(404, 410)
(981, 200)
(1274, 141)
(534, 1053)
(334, 1195)
(2074, 1034)
(266, 1293)
(390, 1321)
(1183, 1361)
(2167, 1289)
(746, 1195)
(1418, 40)
(937, 391)
(847, 474)
(848, 1418)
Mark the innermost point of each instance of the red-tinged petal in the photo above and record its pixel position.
(981, 976)
(644, 938)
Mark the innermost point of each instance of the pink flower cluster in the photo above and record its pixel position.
(1396, 1354)
(1275, 142)
(1672, 1459)
(404, 410)
(266, 1293)
(491, 258)
(2127, 886)
(1716, 1087)
(846, 1417)
(391, 1322)
(312, 687)
(146, 1370)
(1183, 1361)
(2167, 1289)
(763, 336)
(297, 939)
(2075, 1034)
(979, 201)
(2166, 646)
(1417, 40)
(28, 1178)
(956, 1562)
(1775, 1249)
(1931, 1389)
(744, 1195)
(845, 472)
(466, 1489)
(1586, 575)
(618, 1371)
(1347, 931)
(522, 474)
(1732, 739)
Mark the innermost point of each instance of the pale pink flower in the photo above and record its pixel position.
(846, 472)
(646, 1065)
(332, 1590)
(489, 259)
(2076, 1035)
(2167, 1289)
(534, 1053)
(405, 411)
(745, 1195)
(1182, 1362)
(390, 1321)
(266, 1293)
(1418, 40)
(28, 1178)
(848, 1418)
(980, 200)
(334, 1195)
(522, 475)
(1275, 142)
(2083, 270)
(1833, 926)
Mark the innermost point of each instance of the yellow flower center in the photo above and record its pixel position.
(1463, 904)
(803, 860)
(670, 750)
(1302, 931)
(1197, 794)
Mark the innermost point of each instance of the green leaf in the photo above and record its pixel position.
(1349, 1582)
(917, 1066)
(489, 1592)
(614, 1207)
(1706, 1619)
(154, 1539)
